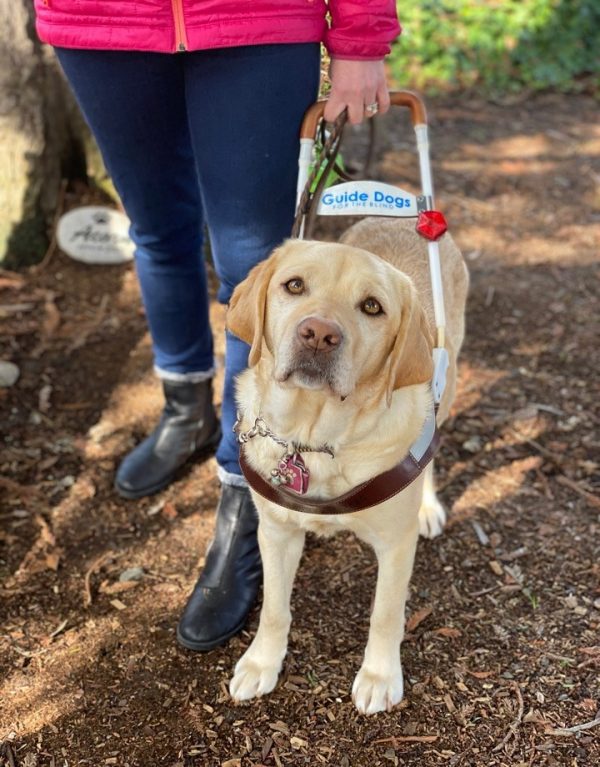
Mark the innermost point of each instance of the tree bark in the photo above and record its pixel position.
(42, 136)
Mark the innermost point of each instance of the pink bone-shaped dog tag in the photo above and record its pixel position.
(294, 473)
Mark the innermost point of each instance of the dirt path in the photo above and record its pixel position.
(503, 648)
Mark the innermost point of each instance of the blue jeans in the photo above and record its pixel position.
(205, 137)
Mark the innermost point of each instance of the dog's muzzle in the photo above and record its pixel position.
(316, 352)
(314, 357)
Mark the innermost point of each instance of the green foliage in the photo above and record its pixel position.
(498, 45)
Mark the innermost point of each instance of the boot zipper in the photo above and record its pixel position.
(178, 18)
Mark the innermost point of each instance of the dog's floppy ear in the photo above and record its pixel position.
(411, 359)
(248, 306)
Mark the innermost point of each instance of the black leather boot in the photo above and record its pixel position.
(188, 424)
(229, 583)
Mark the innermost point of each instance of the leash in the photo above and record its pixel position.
(306, 210)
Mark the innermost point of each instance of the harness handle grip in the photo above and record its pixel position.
(408, 99)
(418, 114)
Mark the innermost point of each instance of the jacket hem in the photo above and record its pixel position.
(236, 33)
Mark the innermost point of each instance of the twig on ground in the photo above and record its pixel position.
(96, 565)
(49, 326)
(11, 280)
(562, 658)
(29, 653)
(59, 629)
(82, 338)
(395, 739)
(8, 754)
(575, 729)
(45, 543)
(562, 479)
(589, 497)
(22, 491)
(480, 533)
(512, 730)
(60, 204)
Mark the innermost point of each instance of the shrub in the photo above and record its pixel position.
(498, 45)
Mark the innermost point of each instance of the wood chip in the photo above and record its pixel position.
(280, 727)
(298, 743)
(449, 703)
(266, 748)
(118, 587)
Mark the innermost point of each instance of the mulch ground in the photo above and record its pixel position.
(502, 652)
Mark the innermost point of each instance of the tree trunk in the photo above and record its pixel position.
(42, 136)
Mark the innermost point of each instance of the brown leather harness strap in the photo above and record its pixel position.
(370, 493)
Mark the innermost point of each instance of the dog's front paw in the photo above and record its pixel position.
(432, 517)
(374, 692)
(251, 679)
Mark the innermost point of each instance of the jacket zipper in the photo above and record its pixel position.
(178, 18)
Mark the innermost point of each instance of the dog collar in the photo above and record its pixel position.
(370, 493)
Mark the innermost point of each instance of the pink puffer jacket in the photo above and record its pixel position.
(360, 29)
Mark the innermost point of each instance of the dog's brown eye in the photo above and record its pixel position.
(371, 306)
(295, 286)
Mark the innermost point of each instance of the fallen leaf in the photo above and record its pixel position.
(533, 717)
(169, 511)
(588, 704)
(448, 631)
(52, 560)
(418, 618)
(481, 674)
(589, 650)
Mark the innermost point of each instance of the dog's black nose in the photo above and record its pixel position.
(319, 335)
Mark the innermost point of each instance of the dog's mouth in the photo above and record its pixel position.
(307, 378)
(313, 373)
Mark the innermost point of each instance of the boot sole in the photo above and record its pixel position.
(205, 646)
(131, 495)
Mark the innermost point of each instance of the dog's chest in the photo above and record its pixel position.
(322, 526)
(363, 524)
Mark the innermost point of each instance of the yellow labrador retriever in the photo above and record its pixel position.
(340, 370)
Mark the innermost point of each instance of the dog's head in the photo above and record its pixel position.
(333, 317)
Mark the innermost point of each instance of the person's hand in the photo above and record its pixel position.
(358, 86)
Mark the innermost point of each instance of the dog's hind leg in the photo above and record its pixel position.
(432, 515)
(379, 684)
(257, 670)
